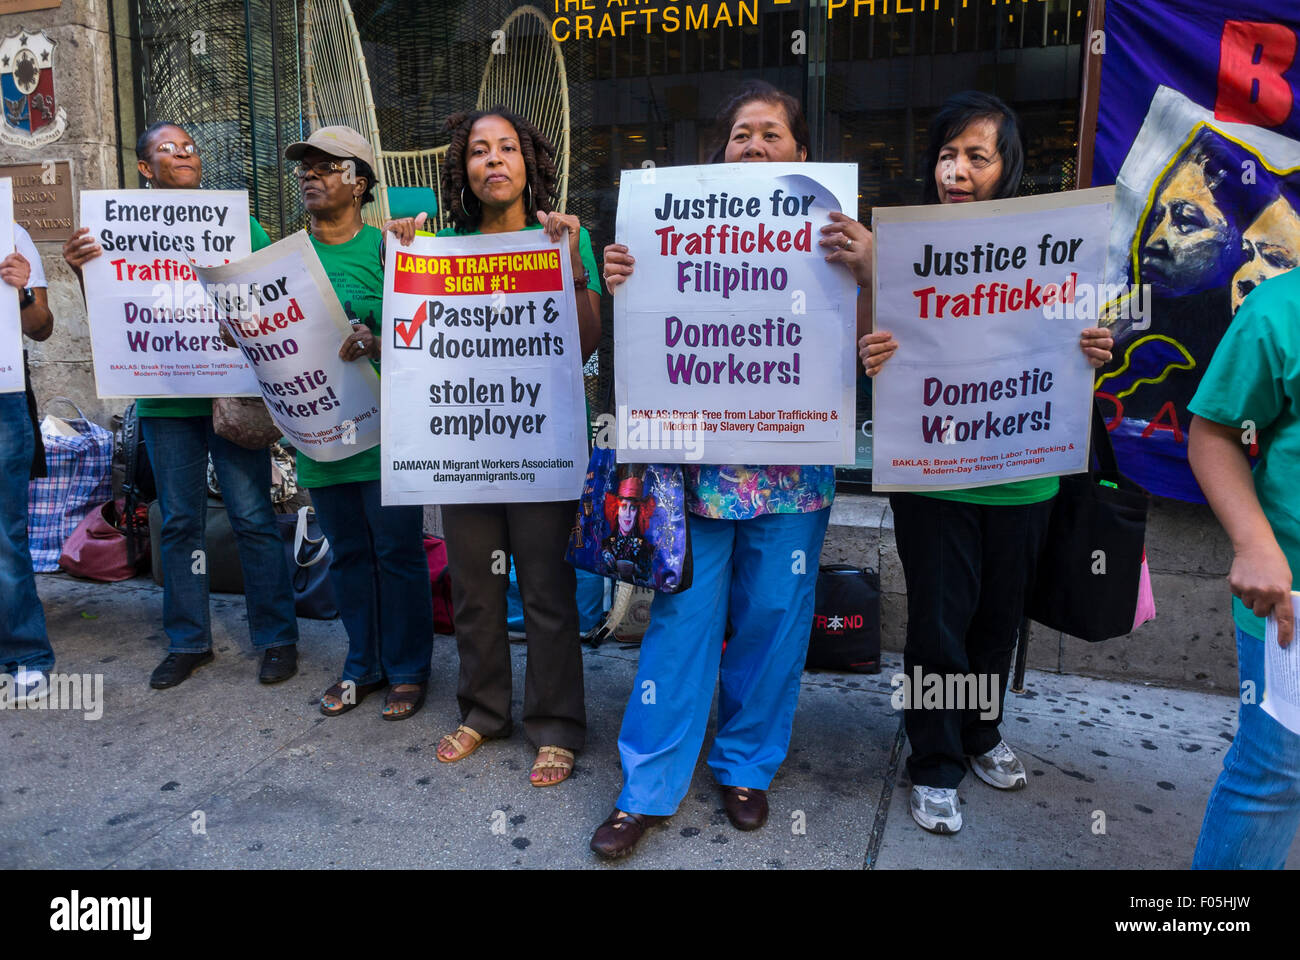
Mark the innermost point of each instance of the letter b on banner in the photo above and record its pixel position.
(1253, 91)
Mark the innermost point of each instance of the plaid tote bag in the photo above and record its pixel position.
(78, 477)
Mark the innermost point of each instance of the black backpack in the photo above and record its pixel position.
(133, 480)
(846, 620)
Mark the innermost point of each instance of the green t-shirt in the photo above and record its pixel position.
(1015, 493)
(356, 272)
(1255, 375)
(195, 406)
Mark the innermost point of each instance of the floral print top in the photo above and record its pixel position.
(734, 492)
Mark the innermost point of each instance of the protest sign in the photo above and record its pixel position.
(734, 339)
(986, 301)
(152, 331)
(281, 309)
(11, 325)
(482, 386)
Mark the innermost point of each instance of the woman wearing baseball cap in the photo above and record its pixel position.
(377, 562)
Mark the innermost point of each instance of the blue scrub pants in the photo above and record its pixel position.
(746, 571)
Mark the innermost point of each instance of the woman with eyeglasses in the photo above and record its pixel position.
(377, 562)
(178, 436)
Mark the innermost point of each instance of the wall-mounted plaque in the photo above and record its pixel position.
(43, 198)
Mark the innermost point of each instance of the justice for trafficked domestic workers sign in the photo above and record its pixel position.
(986, 301)
(281, 309)
(734, 339)
(482, 386)
(11, 325)
(153, 332)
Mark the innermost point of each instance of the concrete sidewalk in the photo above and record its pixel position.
(273, 784)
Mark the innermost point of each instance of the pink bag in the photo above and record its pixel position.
(1146, 605)
(97, 548)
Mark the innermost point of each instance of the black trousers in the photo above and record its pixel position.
(535, 534)
(968, 568)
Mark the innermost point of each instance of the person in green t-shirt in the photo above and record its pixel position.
(378, 567)
(968, 555)
(1250, 395)
(178, 436)
(499, 176)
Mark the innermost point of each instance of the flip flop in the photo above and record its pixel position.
(360, 693)
(414, 697)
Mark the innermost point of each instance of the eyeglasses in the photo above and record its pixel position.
(322, 168)
(186, 149)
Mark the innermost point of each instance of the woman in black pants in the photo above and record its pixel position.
(967, 555)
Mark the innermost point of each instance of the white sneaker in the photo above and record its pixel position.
(1000, 768)
(936, 809)
(30, 686)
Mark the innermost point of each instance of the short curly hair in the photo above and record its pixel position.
(539, 166)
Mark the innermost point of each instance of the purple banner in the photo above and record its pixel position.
(1198, 127)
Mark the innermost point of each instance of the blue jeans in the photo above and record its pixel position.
(744, 572)
(380, 575)
(23, 640)
(1254, 809)
(178, 451)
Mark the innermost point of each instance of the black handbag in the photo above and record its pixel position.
(307, 553)
(846, 620)
(133, 481)
(1088, 574)
(225, 575)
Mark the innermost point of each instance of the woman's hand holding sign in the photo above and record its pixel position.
(876, 348)
(850, 244)
(618, 265)
(1096, 343)
(359, 343)
(404, 228)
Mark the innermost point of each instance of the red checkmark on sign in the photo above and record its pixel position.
(406, 329)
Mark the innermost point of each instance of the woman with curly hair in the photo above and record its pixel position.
(499, 177)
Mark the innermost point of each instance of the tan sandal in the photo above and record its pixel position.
(552, 763)
(454, 739)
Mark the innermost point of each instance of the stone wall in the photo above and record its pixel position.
(83, 83)
(1191, 642)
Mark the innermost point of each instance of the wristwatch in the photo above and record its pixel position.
(581, 280)
(27, 299)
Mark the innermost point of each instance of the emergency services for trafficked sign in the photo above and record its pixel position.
(734, 339)
(482, 387)
(153, 332)
(11, 325)
(281, 310)
(986, 301)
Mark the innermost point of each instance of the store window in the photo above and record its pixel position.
(870, 85)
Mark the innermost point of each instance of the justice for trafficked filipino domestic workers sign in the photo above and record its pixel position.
(482, 386)
(734, 338)
(986, 301)
(152, 331)
(281, 309)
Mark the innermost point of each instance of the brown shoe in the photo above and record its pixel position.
(618, 835)
(746, 807)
